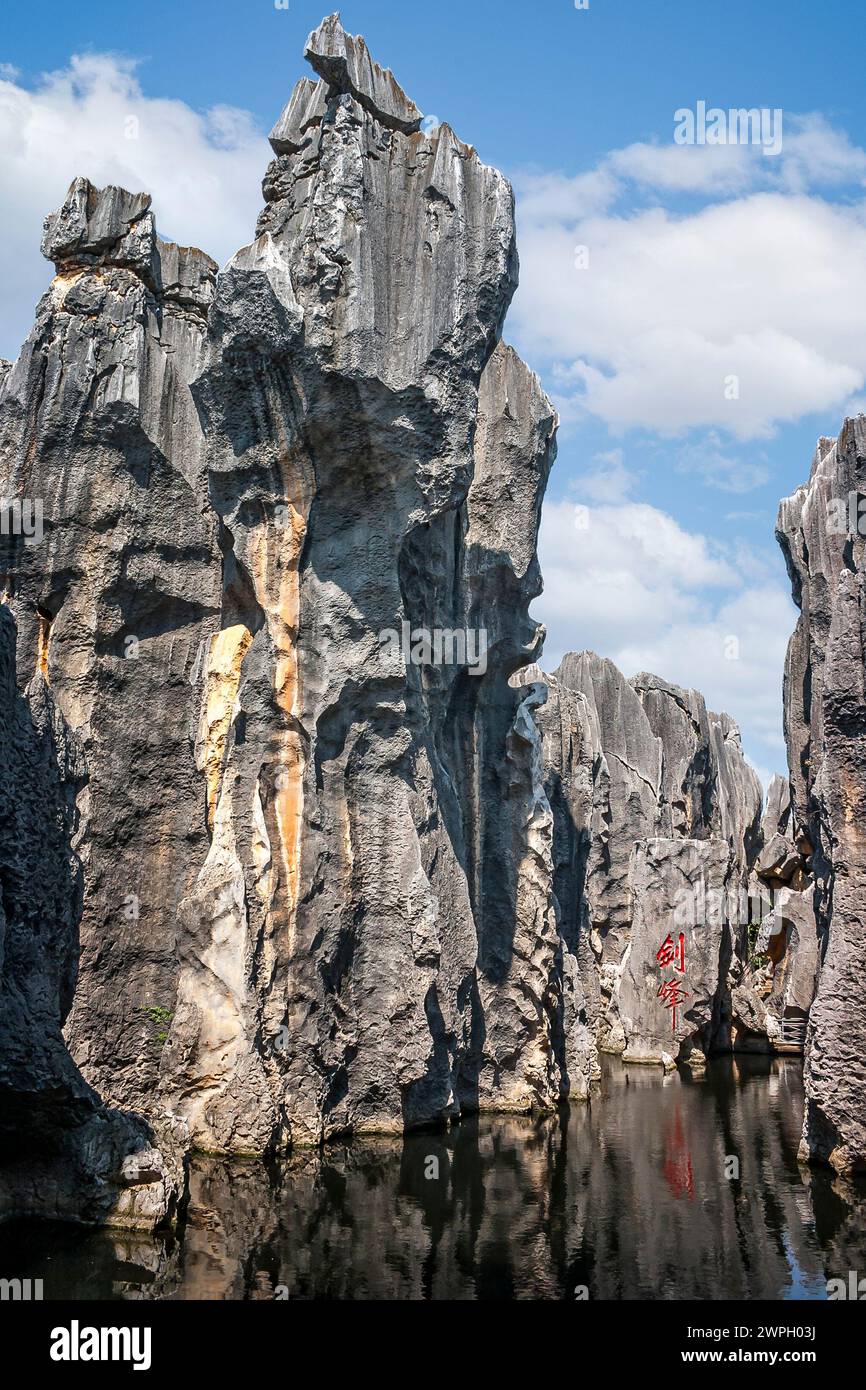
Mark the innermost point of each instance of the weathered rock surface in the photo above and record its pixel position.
(774, 995)
(344, 62)
(380, 832)
(656, 822)
(62, 1153)
(341, 866)
(629, 795)
(674, 1005)
(290, 543)
(819, 530)
(97, 425)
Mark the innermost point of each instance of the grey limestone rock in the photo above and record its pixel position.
(819, 530)
(117, 599)
(673, 1004)
(63, 1154)
(290, 521)
(302, 117)
(344, 62)
(656, 823)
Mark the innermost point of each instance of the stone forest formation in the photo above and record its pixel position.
(267, 879)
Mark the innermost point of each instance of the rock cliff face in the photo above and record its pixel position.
(772, 1000)
(290, 518)
(62, 1153)
(657, 820)
(97, 427)
(821, 531)
(298, 840)
(370, 942)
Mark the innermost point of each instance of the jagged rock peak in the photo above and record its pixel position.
(96, 223)
(344, 62)
(399, 245)
(307, 106)
(96, 228)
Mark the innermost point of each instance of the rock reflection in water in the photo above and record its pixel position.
(627, 1196)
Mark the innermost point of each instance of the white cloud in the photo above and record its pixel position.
(708, 460)
(819, 155)
(735, 315)
(715, 169)
(552, 198)
(92, 118)
(813, 154)
(638, 588)
(606, 480)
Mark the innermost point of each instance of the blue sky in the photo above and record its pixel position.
(704, 263)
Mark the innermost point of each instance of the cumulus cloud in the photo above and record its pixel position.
(608, 479)
(736, 314)
(720, 469)
(631, 583)
(707, 292)
(714, 169)
(203, 169)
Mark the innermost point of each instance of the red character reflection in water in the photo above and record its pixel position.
(678, 1160)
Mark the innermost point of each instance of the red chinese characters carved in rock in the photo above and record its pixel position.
(673, 992)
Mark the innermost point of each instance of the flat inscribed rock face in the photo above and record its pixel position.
(673, 977)
(656, 816)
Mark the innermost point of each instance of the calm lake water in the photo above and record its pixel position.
(627, 1196)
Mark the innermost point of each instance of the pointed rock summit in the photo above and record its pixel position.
(344, 63)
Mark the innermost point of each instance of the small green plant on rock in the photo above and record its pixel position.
(757, 959)
(161, 1018)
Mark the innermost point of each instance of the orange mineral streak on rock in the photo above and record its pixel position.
(63, 282)
(222, 681)
(274, 560)
(42, 646)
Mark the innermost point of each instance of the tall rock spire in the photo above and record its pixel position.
(820, 529)
(376, 906)
(289, 548)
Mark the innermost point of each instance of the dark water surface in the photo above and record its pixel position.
(626, 1196)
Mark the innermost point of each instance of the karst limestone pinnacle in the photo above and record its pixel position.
(316, 884)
